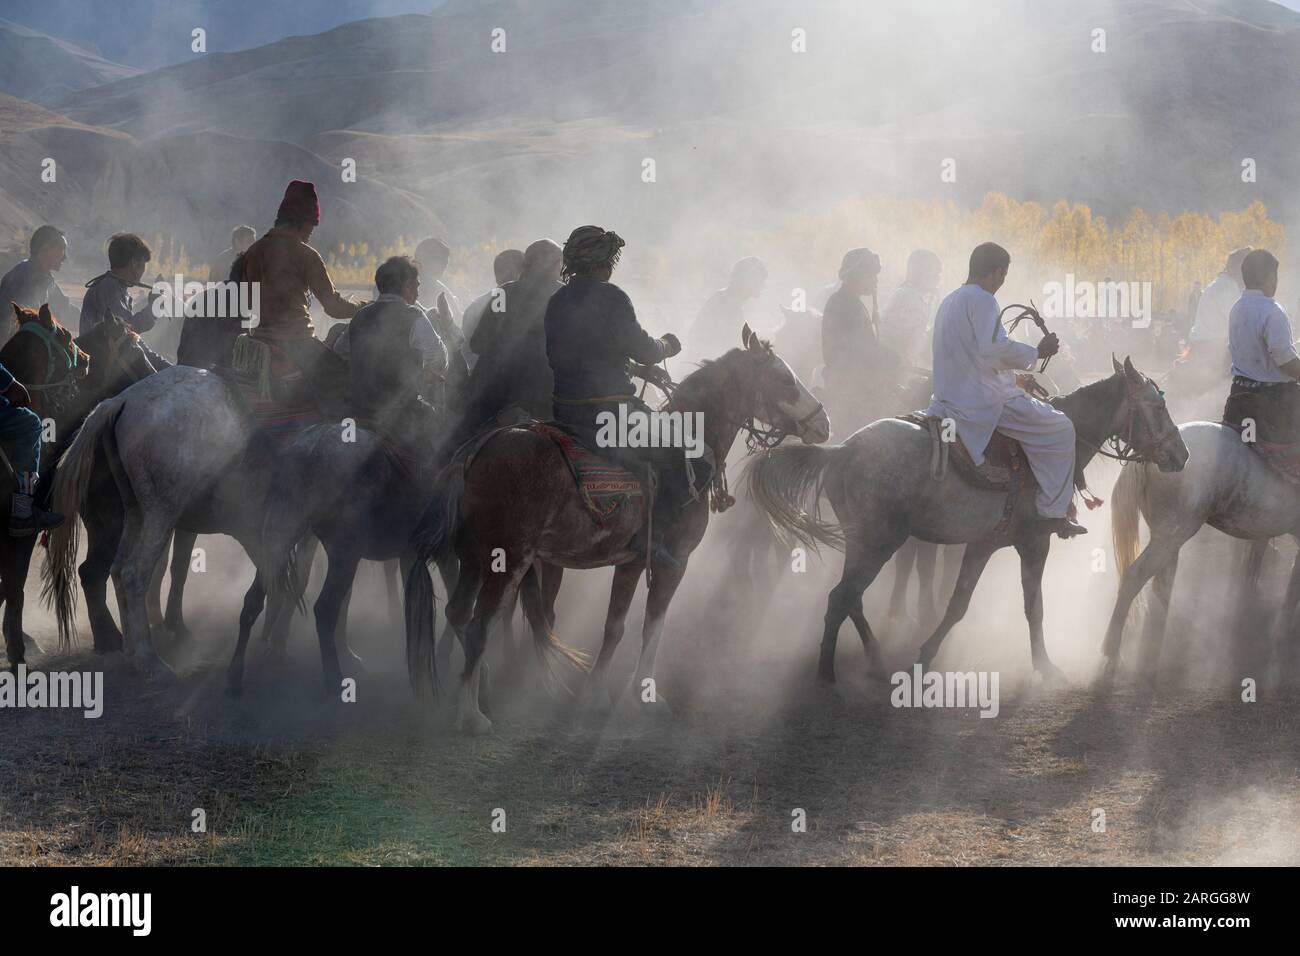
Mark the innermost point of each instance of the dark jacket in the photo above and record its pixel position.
(591, 332)
(512, 367)
(849, 340)
(385, 371)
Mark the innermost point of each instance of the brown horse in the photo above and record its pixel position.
(515, 502)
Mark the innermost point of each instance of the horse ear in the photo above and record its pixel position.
(18, 309)
(746, 336)
(1115, 363)
(45, 315)
(1132, 374)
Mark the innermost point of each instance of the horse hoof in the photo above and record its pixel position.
(473, 724)
(1052, 676)
(153, 668)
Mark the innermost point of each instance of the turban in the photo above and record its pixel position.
(856, 259)
(589, 248)
(540, 254)
(300, 203)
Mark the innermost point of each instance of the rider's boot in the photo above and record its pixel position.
(24, 517)
(1062, 527)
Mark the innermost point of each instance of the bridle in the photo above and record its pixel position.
(1121, 446)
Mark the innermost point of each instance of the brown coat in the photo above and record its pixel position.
(287, 270)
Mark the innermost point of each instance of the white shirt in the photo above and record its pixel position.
(973, 365)
(1217, 300)
(1259, 338)
(470, 320)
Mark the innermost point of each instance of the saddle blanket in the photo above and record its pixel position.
(605, 486)
(1004, 468)
(288, 412)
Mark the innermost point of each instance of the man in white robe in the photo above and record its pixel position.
(974, 385)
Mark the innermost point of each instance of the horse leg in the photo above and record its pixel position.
(552, 578)
(182, 553)
(493, 593)
(17, 561)
(393, 578)
(904, 559)
(861, 565)
(621, 591)
(927, 605)
(1033, 558)
(144, 541)
(254, 600)
(338, 582)
(663, 585)
(973, 562)
(1160, 550)
(155, 588)
(103, 535)
(449, 569)
(1162, 590)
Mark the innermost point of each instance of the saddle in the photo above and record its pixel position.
(1005, 467)
(604, 485)
(274, 391)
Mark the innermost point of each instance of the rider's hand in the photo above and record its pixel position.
(17, 395)
(1048, 345)
(672, 344)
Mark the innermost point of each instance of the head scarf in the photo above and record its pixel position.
(590, 247)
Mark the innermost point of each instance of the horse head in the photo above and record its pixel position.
(781, 400)
(61, 336)
(116, 353)
(1142, 420)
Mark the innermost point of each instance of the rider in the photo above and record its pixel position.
(906, 319)
(591, 333)
(393, 357)
(512, 370)
(111, 291)
(288, 270)
(20, 431)
(974, 385)
(850, 339)
(714, 329)
(31, 282)
(1265, 365)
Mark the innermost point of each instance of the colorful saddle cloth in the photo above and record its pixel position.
(605, 486)
(1284, 458)
(287, 410)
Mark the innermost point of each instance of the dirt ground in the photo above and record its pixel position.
(1186, 773)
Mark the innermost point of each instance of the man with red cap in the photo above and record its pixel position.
(288, 270)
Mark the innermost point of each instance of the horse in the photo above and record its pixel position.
(66, 378)
(1226, 485)
(178, 449)
(515, 502)
(879, 485)
(366, 511)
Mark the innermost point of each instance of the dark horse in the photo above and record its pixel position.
(515, 502)
(66, 379)
(879, 485)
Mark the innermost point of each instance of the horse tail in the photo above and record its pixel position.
(781, 481)
(1125, 501)
(545, 643)
(72, 481)
(421, 623)
(430, 540)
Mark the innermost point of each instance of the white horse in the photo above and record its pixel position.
(1225, 485)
